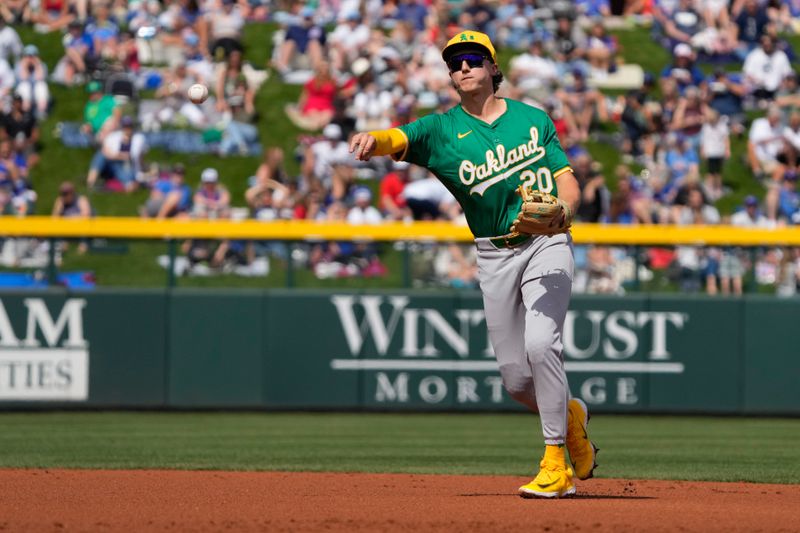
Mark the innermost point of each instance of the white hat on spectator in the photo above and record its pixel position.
(332, 132)
(209, 175)
(682, 50)
(360, 66)
(401, 165)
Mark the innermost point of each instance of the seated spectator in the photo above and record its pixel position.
(7, 80)
(31, 73)
(724, 93)
(630, 203)
(198, 62)
(788, 94)
(101, 114)
(766, 148)
(764, 70)
(175, 106)
(595, 196)
(158, 32)
(103, 30)
(127, 56)
(231, 83)
(23, 158)
(683, 165)
(683, 24)
(223, 27)
(749, 26)
(716, 15)
(120, 157)
(50, 15)
(783, 203)
(749, 215)
(70, 204)
(10, 43)
(363, 212)
(514, 25)
(303, 44)
(15, 182)
(329, 162)
(79, 58)
(264, 200)
(532, 73)
(593, 9)
(689, 116)
(170, 196)
(636, 123)
(683, 70)
(239, 132)
(477, 14)
(211, 200)
(272, 168)
(373, 108)
(429, 199)
(715, 148)
(20, 122)
(347, 40)
(601, 50)
(583, 105)
(315, 108)
(391, 200)
(568, 45)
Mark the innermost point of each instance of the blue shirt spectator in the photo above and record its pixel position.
(683, 70)
(412, 12)
(593, 8)
(751, 23)
(682, 160)
(726, 92)
(305, 32)
(789, 198)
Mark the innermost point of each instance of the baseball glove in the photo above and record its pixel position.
(541, 214)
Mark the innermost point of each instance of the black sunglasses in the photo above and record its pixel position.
(473, 61)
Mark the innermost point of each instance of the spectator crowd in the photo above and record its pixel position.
(371, 64)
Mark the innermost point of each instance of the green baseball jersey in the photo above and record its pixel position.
(483, 164)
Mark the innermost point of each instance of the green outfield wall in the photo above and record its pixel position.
(385, 350)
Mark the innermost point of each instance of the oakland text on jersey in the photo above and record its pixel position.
(498, 161)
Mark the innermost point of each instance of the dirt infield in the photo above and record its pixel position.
(92, 500)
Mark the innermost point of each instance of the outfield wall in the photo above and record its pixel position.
(384, 350)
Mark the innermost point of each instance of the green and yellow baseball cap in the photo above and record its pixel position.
(469, 40)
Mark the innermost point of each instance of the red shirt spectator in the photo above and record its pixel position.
(320, 93)
(391, 201)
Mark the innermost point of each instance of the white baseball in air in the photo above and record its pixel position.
(198, 93)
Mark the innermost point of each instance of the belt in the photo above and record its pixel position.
(511, 240)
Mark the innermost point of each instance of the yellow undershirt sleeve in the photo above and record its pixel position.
(390, 142)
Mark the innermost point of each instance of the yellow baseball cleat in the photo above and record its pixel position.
(582, 451)
(552, 481)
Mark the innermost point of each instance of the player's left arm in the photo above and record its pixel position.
(569, 193)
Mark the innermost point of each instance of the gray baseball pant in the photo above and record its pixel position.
(526, 292)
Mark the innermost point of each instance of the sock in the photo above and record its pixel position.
(555, 453)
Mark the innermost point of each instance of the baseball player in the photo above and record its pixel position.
(502, 161)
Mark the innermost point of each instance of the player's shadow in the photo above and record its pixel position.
(552, 303)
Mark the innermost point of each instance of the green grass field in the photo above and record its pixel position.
(690, 448)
